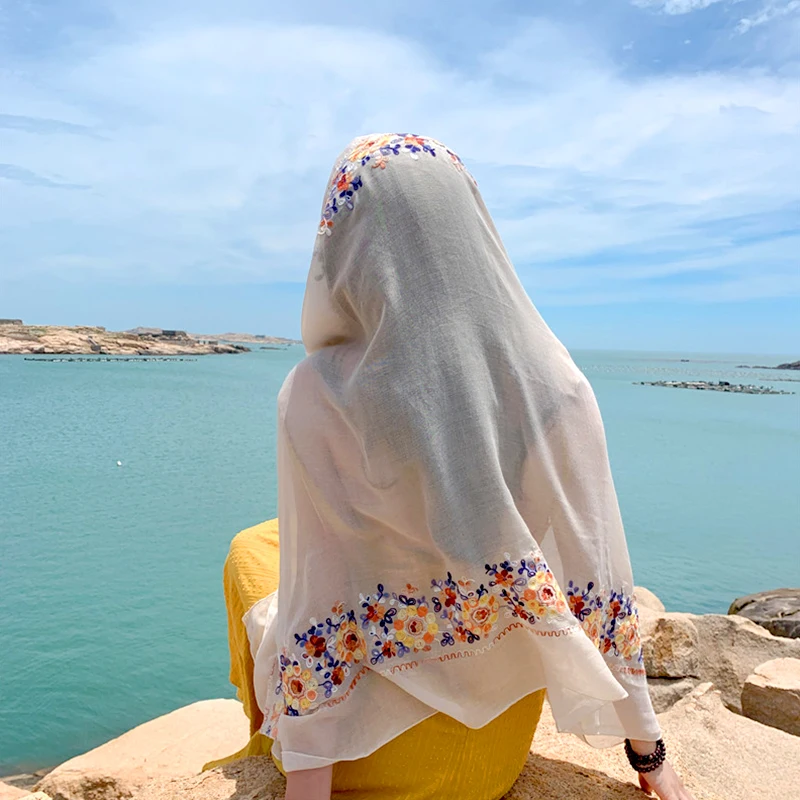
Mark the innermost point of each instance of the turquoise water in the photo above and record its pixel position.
(111, 607)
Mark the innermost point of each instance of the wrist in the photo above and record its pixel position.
(646, 761)
(642, 747)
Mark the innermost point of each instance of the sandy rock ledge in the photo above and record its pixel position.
(175, 745)
(721, 756)
(771, 695)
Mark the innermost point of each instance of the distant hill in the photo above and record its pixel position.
(254, 338)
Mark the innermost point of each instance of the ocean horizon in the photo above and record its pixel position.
(111, 607)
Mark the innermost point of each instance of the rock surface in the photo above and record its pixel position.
(9, 792)
(778, 611)
(721, 648)
(54, 339)
(720, 755)
(175, 745)
(644, 597)
(771, 695)
(665, 692)
(670, 645)
(731, 647)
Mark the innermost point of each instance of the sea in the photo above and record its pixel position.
(122, 484)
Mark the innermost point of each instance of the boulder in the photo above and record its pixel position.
(9, 792)
(665, 692)
(778, 611)
(720, 648)
(177, 744)
(728, 755)
(669, 645)
(772, 694)
(719, 754)
(731, 647)
(646, 598)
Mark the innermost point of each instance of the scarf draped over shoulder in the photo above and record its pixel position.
(449, 530)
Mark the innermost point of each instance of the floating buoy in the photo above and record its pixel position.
(119, 463)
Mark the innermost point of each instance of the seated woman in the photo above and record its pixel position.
(450, 541)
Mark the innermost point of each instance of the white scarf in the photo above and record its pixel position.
(450, 534)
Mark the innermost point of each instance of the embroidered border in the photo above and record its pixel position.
(388, 627)
(375, 152)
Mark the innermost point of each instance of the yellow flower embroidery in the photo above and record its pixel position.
(626, 637)
(593, 625)
(480, 614)
(416, 627)
(299, 688)
(350, 644)
(543, 596)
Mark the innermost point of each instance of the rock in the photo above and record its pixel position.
(728, 755)
(731, 647)
(36, 796)
(644, 597)
(669, 645)
(175, 745)
(9, 792)
(57, 339)
(720, 648)
(771, 695)
(778, 611)
(665, 692)
(718, 754)
(254, 778)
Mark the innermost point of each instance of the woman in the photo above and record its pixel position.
(450, 539)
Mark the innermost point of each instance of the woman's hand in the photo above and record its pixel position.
(665, 783)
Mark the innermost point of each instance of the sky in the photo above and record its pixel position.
(163, 163)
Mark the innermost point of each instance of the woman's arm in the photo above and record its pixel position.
(309, 784)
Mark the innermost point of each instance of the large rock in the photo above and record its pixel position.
(778, 611)
(731, 647)
(728, 755)
(719, 755)
(720, 648)
(9, 792)
(177, 744)
(665, 692)
(772, 694)
(669, 645)
(645, 598)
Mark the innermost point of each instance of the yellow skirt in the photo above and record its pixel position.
(439, 757)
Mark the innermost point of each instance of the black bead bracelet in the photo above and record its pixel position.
(649, 762)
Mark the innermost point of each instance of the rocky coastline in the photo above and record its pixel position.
(726, 691)
(788, 365)
(715, 386)
(19, 339)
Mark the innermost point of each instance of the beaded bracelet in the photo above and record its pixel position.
(649, 762)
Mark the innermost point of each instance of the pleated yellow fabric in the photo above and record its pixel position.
(437, 758)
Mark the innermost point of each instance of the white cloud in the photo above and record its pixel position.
(206, 150)
(768, 13)
(675, 6)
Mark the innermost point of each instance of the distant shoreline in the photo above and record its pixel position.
(16, 338)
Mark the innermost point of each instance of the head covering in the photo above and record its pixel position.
(449, 530)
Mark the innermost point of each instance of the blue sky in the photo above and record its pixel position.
(163, 163)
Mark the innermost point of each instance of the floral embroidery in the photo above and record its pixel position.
(416, 627)
(390, 628)
(611, 622)
(299, 687)
(350, 645)
(535, 594)
(375, 152)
